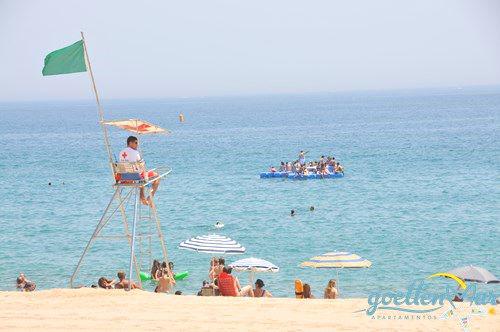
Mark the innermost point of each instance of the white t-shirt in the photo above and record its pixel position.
(130, 155)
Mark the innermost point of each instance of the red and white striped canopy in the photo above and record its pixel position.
(137, 126)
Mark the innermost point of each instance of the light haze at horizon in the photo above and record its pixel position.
(195, 48)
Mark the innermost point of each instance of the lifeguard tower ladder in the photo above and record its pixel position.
(129, 180)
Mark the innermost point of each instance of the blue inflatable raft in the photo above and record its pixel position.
(295, 176)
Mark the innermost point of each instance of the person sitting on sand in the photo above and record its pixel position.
(124, 283)
(259, 290)
(166, 282)
(154, 269)
(229, 286)
(24, 285)
(106, 283)
(331, 291)
(131, 155)
(205, 285)
(307, 292)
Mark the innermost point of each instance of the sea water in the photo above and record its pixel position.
(420, 193)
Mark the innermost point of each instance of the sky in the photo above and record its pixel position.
(164, 49)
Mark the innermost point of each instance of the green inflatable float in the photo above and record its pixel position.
(178, 276)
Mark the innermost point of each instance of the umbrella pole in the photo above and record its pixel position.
(338, 282)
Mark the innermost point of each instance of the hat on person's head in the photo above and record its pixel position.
(259, 283)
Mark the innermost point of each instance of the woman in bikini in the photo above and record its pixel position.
(259, 290)
(331, 291)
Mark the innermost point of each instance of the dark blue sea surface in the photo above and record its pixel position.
(420, 193)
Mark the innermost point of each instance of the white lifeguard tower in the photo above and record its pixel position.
(129, 179)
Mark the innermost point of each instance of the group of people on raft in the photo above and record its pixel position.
(324, 166)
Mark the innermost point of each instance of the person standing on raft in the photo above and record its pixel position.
(131, 155)
(302, 157)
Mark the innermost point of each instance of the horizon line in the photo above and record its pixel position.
(268, 94)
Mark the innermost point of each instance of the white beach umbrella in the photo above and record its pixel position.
(213, 244)
(253, 265)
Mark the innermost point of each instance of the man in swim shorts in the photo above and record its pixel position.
(131, 155)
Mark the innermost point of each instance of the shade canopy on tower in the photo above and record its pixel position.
(137, 126)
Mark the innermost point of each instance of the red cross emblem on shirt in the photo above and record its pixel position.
(124, 154)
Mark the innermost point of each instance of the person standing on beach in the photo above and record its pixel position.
(131, 155)
(219, 268)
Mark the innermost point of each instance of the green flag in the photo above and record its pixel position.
(69, 59)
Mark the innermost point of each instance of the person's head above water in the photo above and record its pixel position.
(292, 213)
(311, 208)
(132, 142)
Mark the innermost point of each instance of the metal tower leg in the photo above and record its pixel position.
(97, 230)
(159, 232)
(132, 244)
(127, 234)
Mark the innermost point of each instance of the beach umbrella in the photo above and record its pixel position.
(337, 260)
(253, 265)
(475, 274)
(213, 244)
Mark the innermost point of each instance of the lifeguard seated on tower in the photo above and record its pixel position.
(136, 165)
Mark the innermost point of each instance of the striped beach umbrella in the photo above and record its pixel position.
(340, 259)
(213, 244)
(475, 274)
(337, 260)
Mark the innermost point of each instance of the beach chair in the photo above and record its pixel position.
(126, 172)
(207, 291)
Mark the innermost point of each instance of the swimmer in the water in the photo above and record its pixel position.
(311, 208)
(292, 213)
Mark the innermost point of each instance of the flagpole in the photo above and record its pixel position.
(110, 153)
(99, 107)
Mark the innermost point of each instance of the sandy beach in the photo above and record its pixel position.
(95, 309)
